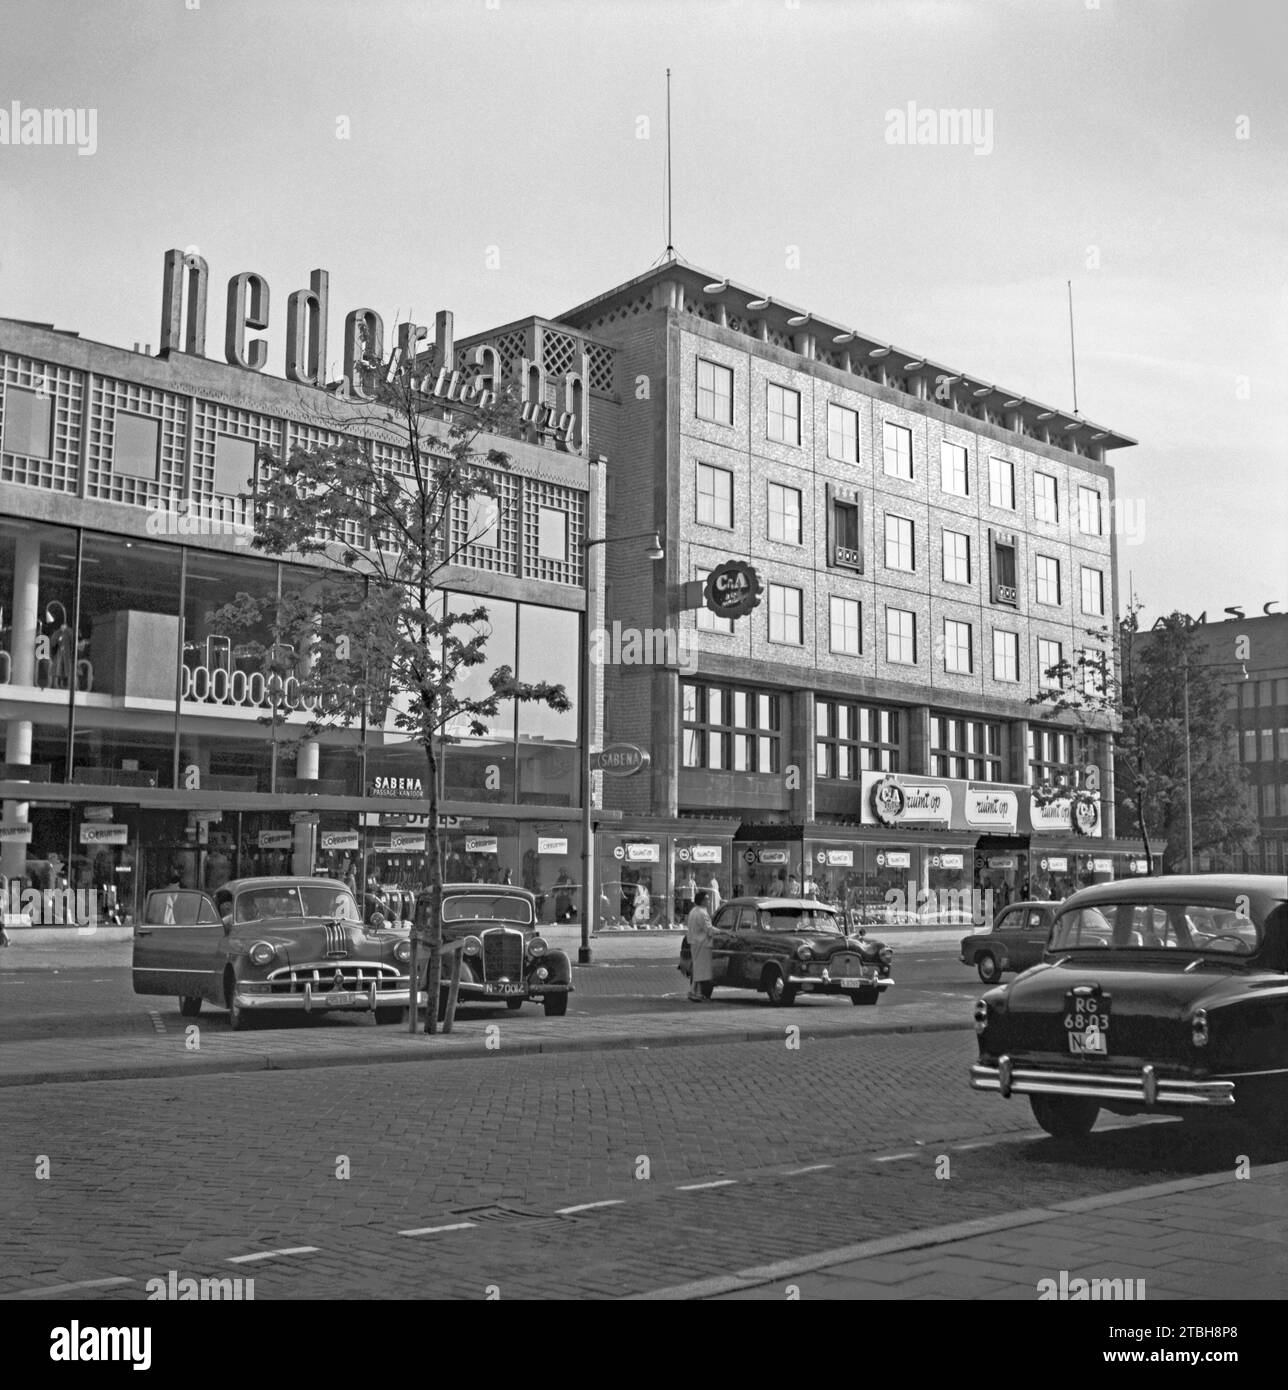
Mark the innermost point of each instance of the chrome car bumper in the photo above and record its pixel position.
(1145, 1087)
(827, 982)
(309, 1001)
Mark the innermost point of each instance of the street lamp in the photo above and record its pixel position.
(655, 551)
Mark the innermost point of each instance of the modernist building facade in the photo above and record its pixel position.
(928, 545)
(143, 738)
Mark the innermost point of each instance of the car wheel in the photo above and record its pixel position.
(239, 1019)
(190, 1005)
(706, 988)
(989, 970)
(1065, 1117)
(391, 1015)
(556, 1005)
(781, 994)
(865, 996)
(514, 1005)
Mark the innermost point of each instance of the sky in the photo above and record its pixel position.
(503, 158)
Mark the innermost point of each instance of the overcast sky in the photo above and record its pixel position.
(486, 156)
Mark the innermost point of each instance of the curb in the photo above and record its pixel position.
(471, 1050)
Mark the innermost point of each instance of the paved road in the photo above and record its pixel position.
(710, 1159)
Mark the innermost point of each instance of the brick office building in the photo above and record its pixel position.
(928, 545)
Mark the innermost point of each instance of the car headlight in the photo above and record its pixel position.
(262, 953)
(472, 946)
(537, 946)
(804, 953)
(402, 950)
(885, 955)
(981, 1015)
(1199, 1028)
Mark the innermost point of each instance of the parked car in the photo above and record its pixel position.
(782, 946)
(270, 945)
(1157, 995)
(1016, 940)
(504, 959)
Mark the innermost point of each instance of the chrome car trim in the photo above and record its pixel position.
(1147, 1087)
(309, 1003)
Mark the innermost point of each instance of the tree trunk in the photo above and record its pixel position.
(434, 974)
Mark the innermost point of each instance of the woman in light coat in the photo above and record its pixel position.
(698, 932)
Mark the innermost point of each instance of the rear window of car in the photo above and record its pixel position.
(482, 907)
(1214, 929)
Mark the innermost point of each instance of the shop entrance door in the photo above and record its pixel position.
(1002, 870)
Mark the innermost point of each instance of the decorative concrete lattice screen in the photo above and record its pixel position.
(503, 557)
(55, 468)
(558, 353)
(147, 483)
(601, 368)
(212, 421)
(624, 311)
(539, 496)
(780, 338)
(509, 347)
(311, 438)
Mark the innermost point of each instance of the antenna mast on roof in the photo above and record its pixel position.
(670, 244)
(1073, 359)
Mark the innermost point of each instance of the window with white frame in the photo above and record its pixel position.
(1093, 591)
(1093, 673)
(1046, 504)
(1047, 573)
(846, 626)
(965, 748)
(953, 477)
(784, 514)
(956, 557)
(552, 534)
(1050, 656)
(715, 392)
(783, 415)
(851, 739)
(707, 621)
(785, 609)
(1089, 519)
(483, 521)
(715, 496)
(1006, 655)
(842, 433)
(899, 553)
(901, 636)
(897, 451)
(957, 647)
(1001, 484)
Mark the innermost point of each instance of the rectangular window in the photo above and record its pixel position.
(952, 470)
(846, 626)
(1050, 655)
(965, 748)
(1001, 484)
(28, 422)
(715, 392)
(899, 554)
(1283, 745)
(715, 496)
(897, 451)
(728, 728)
(483, 521)
(784, 514)
(136, 447)
(1056, 757)
(1093, 673)
(785, 615)
(901, 636)
(1249, 745)
(956, 557)
(1093, 591)
(1047, 571)
(1046, 506)
(707, 621)
(783, 419)
(853, 739)
(842, 433)
(1267, 745)
(957, 647)
(1089, 517)
(234, 465)
(1006, 656)
(1005, 588)
(552, 534)
(845, 520)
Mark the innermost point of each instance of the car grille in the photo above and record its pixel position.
(845, 964)
(502, 954)
(337, 940)
(350, 974)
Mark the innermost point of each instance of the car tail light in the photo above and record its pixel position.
(1199, 1028)
(262, 953)
(981, 1015)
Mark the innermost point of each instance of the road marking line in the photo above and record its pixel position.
(893, 1158)
(158, 1023)
(590, 1206)
(698, 1186)
(271, 1254)
(67, 1288)
(434, 1230)
(813, 1168)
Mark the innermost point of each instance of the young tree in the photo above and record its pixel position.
(383, 511)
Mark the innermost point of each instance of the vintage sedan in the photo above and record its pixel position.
(504, 960)
(785, 946)
(270, 945)
(1016, 941)
(1155, 996)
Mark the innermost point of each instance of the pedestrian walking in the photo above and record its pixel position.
(698, 933)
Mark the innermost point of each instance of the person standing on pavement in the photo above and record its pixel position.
(699, 935)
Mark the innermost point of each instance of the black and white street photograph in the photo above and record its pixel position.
(643, 658)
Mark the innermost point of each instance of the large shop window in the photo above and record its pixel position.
(850, 739)
(1056, 757)
(965, 748)
(730, 729)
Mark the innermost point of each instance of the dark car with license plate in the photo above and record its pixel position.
(504, 959)
(259, 946)
(1016, 941)
(784, 947)
(1154, 996)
